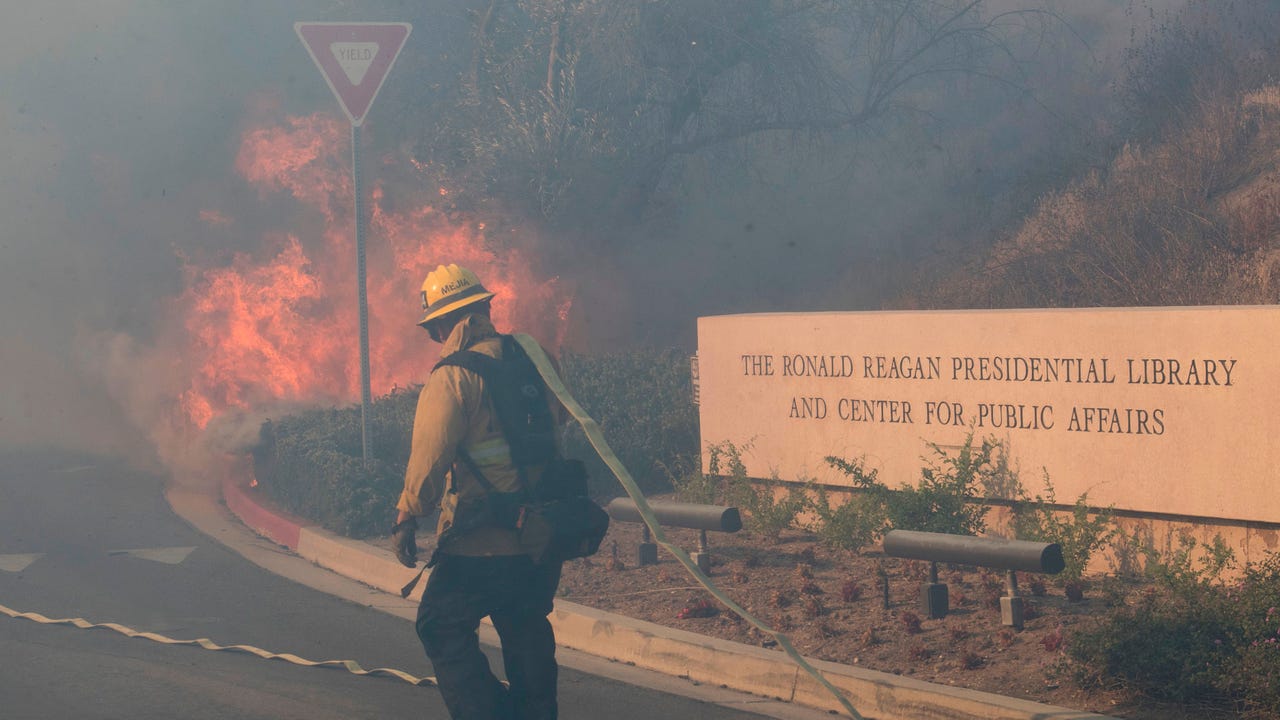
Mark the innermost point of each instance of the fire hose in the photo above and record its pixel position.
(596, 438)
(350, 666)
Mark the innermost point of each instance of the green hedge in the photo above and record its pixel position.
(642, 400)
(1192, 639)
(310, 462)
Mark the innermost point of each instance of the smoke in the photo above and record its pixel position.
(127, 183)
(863, 220)
(117, 124)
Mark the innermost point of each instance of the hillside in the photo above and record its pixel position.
(1186, 213)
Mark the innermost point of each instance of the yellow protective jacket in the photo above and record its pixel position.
(454, 412)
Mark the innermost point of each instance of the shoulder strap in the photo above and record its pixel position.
(476, 362)
(465, 457)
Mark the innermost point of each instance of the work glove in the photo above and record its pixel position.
(404, 540)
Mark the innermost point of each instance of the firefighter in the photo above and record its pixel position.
(483, 571)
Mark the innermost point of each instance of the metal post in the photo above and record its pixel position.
(362, 295)
(647, 553)
(934, 599)
(1011, 607)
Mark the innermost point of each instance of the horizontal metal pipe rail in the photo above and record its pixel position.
(989, 552)
(1008, 555)
(702, 518)
(678, 514)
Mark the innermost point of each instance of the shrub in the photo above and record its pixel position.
(768, 513)
(943, 500)
(861, 519)
(1182, 570)
(710, 485)
(850, 591)
(910, 622)
(1169, 649)
(642, 400)
(1194, 640)
(1085, 532)
(311, 464)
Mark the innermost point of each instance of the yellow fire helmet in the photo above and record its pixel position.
(448, 288)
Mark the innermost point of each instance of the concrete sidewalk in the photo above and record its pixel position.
(711, 661)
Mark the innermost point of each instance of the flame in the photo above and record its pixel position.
(280, 324)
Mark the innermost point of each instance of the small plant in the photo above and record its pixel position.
(918, 652)
(1081, 535)
(827, 631)
(700, 608)
(910, 622)
(1036, 586)
(813, 606)
(850, 591)
(739, 577)
(943, 501)
(767, 514)
(692, 485)
(804, 571)
(861, 519)
(970, 660)
(1182, 569)
(869, 638)
(780, 599)
(957, 634)
(1005, 637)
(810, 588)
(1073, 590)
(1053, 641)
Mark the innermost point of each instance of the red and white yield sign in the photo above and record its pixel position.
(354, 58)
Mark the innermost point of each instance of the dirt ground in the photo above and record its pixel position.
(831, 603)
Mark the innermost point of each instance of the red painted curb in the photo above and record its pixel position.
(264, 522)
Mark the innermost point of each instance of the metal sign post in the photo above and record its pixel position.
(355, 59)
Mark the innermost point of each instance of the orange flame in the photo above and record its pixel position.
(281, 324)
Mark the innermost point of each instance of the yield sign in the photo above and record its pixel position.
(354, 59)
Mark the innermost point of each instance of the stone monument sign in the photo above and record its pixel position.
(1160, 410)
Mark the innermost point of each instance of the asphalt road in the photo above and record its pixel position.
(87, 537)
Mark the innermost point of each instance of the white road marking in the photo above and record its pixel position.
(168, 555)
(18, 563)
(77, 469)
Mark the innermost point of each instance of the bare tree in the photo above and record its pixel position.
(573, 110)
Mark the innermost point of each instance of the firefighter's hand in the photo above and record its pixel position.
(404, 540)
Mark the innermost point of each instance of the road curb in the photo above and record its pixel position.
(667, 650)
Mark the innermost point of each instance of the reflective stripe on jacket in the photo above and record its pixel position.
(453, 412)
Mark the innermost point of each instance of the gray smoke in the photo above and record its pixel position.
(120, 121)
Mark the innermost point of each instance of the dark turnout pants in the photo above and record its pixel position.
(517, 595)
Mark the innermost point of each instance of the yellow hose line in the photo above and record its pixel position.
(350, 666)
(596, 437)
